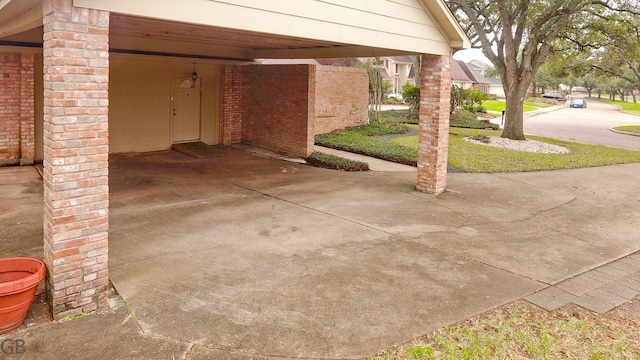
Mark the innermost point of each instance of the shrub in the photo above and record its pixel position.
(469, 120)
(328, 161)
(399, 116)
(380, 127)
(411, 96)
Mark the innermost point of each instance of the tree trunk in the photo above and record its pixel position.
(534, 89)
(513, 117)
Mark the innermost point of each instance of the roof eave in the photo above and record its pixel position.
(447, 23)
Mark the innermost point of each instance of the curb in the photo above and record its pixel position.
(623, 132)
(542, 111)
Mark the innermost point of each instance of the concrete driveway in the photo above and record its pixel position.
(590, 126)
(267, 257)
(242, 256)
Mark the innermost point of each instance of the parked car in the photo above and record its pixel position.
(578, 103)
(553, 96)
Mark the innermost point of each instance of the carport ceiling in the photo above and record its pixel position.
(161, 36)
(151, 36)
(128, 26)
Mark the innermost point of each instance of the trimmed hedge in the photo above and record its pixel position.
(469, 120)
(328, 161)
(355, 142)
(381, 128)
(400, 116)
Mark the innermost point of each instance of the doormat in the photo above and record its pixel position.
(198, 149)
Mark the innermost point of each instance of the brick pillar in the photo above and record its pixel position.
(27, 110)
(433, 143)
(76, 147)
(233, 107)
(9, 108)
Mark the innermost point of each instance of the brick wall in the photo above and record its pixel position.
(342, 98)
(433, 143)
(281, 107)
(17, 109)
(272, 104)
(76, 193)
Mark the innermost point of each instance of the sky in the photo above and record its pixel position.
(471, 54)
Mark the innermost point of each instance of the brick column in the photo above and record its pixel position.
(433, 140)
(76, 193)
(233, 107)
(27, 110)
(9, 108)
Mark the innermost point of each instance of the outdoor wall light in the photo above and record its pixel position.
(194, 74)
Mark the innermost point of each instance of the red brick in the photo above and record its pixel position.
(434, 124)
(76, 115)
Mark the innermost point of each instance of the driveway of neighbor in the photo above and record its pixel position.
(242, 256)
(590, 126)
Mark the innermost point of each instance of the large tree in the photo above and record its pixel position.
(517, 36)
(618, 53)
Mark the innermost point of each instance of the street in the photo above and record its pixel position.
(591, 125)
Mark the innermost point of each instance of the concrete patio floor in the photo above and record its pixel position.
(242, 256)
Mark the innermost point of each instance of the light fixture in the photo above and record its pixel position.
(194, 74)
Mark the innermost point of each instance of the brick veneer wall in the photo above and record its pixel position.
(342, 98)
(433, 137)
(281, 107)
(278, 107)
(76, 193)
(17, 124)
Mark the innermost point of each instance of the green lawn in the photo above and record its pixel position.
(499, 105)
(631, 108)
(532, 102)
(632, 129)
(469, 157)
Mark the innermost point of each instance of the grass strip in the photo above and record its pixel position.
(520, 331)
(630, 129)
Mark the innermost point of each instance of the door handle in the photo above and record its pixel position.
(174, 112)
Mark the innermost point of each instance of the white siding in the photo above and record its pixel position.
(401, 25)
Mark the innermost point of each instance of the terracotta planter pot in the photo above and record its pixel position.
(19, 279)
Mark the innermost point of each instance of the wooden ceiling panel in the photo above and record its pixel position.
(163, 30)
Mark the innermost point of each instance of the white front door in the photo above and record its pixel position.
(185, 106)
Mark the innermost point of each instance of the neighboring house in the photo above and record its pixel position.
(85, 78)
(479, 81)
(459, 76)
(398, 70)
(464, 76)
(478, 66)
(496, 87)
